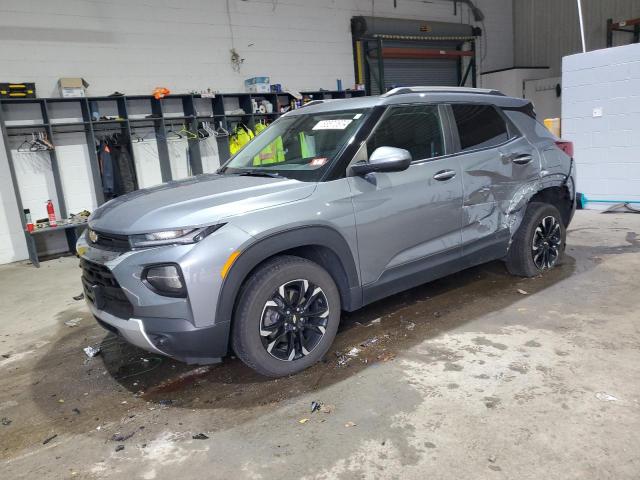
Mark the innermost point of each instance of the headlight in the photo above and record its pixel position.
(165, 280)
(171, 237)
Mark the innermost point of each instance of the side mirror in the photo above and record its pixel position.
(384, 159)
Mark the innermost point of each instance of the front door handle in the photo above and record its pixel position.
(443, 175)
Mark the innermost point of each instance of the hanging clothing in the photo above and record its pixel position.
(240, 136)
(126, 178)
(116, 166)
(106, 169)
(210, 155)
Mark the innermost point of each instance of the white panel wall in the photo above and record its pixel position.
(12, 243)
(601, 115)
(542, 93)
(511, 81)
(134, 46)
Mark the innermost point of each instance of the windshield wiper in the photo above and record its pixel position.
(260, 173)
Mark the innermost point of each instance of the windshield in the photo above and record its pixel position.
(298, 146)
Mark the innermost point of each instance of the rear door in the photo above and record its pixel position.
(409, 220)
(497, 163)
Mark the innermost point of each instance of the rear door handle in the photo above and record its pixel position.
(443, 175)
(518, 158)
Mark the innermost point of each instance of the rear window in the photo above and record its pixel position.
(479, 126)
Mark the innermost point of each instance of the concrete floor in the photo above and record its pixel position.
(465, 377)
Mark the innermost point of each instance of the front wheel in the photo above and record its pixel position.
(286, 317)
(539, 243)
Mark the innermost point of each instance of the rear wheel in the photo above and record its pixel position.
(286, 317)
(539, 243)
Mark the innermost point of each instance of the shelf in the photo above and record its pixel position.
(28, 125)
(67, 124)
(98, 122)
(178, 117)
(151, 119)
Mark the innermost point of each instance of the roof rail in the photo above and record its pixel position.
(405, 90)
(316, 102)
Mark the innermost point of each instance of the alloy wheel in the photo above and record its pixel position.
(294, 320)
(547, 240)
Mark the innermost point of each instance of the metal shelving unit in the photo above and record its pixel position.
(59, 116)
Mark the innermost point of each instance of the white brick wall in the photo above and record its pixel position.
(606, 147)
(134, 46)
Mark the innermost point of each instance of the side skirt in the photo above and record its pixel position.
(418, 272)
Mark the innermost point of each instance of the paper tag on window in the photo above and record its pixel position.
(318, 162)
(337, 124)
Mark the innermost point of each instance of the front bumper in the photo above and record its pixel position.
(182, 328)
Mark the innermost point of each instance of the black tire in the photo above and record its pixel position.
(525, 261)
(257, 323)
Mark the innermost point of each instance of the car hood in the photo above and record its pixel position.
(196, 201)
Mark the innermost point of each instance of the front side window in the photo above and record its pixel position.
(298, 146)
(479, 126)
(415, 128)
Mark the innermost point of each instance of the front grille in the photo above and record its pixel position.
(113, 242)
(102, 289)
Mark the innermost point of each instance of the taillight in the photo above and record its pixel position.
(566, 147)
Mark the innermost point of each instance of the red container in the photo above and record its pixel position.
(52, 214)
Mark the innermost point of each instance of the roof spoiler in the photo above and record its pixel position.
(478, 91)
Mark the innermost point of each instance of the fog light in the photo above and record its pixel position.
(165, 280)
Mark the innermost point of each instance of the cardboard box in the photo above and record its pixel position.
(257, 85)
(71, 87)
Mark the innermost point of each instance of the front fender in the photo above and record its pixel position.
(259, 250)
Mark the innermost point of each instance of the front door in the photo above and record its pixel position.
(407, 221)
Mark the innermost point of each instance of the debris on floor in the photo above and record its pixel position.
(523, 292)
(73, 322)
(303, 420)
(48, 439)
(374, 321)
(410, 326)
(5, 421)
(91, 351)
(368, 342)
(606, 397)
(386, 356)
(119, 437)
(343, 360)
(200, 436)
(315, 406)
(353, 352)
(79, 297)
(327, 408)
(119, 448)
(350, 424)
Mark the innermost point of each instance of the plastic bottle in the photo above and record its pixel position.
(52, 214)
(29, 221)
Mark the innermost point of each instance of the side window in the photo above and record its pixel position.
(479, 126)
(415, 128)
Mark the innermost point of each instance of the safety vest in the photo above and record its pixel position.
(272, 153)
(240, 136)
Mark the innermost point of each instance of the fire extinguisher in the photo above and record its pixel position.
(52, 214)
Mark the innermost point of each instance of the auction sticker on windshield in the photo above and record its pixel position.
(335, 124)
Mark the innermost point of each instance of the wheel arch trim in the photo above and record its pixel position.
(264, 248)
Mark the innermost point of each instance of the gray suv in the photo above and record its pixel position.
(332, 207)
